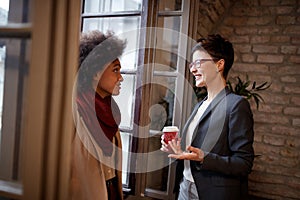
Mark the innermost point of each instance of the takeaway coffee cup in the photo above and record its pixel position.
(169, 133)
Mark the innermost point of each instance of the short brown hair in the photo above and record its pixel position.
(218, 48)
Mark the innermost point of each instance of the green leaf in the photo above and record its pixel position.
(253, 86)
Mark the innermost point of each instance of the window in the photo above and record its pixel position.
(152, 94)
(14, 65)
(38, 55)
(124, 19)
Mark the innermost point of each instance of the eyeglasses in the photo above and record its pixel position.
(197, 63)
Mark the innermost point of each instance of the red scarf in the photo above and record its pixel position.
(101, 116)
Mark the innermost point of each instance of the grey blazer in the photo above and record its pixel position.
(225, 134)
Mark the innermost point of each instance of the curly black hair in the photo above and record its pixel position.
(218, 48)
(96, 50)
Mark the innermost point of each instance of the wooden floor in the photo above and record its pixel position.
(148, 198)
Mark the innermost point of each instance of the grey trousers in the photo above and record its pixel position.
(188, 190)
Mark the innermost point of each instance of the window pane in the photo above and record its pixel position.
(13, 87)
(125, 100)
(157, 179)
(126, 28)
(14, 11)
(102, 6)
(167, 37)
(126, 145)
(170, 5)
(2, 71)
(163, 93)
(4, 6)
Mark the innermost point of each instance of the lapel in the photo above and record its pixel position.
(215, 102)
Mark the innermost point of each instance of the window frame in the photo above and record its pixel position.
(54, 53)
(137, 185)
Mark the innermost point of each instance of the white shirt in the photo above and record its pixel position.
(193, 125)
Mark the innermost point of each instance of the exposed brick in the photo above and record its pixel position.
(296, 122)
(260, 39)
(219, 7)
(296, 100)
(226, 4)
(265, 49)
(281, 9)
(288, 152)
(261, 128)
(213, 14)
(289, 49)
(270, 108)
(295, 40)
(248, 58)
(242, 48)
(285, 70)
(292, 111)
(258, 167)
(235, 21)
(280, 99)
(247, 3)
(288, 2)
(274, 140)
(295, 59)
(250, 67)
(226, 31)
(287, 162)
(292, 30)
(259, 78)
(271, 119)
(269, 30)
(278, 160)
(288, 79)
(284, 130)
(269, 3)
(249, 11)
(245, 31)
(276, 87)
(292, 89)
(257, 138)
(293, 142)
(285, 20)
(240, 39)
(280, 39)
(275, 191)
(262, 148)
(260, 21)
(283, 171)
(269, 58)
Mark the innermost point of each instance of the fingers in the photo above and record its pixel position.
(164, 149)
(175, 145)
(192, 149)
(198, 153)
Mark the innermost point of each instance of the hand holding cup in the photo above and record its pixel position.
(169, 133)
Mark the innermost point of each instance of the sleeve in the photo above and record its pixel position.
(240, 141)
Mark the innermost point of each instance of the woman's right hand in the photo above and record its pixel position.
(166, 147)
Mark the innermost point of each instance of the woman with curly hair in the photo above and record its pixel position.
(96, 147)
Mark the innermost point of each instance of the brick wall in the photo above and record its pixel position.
(266, 38)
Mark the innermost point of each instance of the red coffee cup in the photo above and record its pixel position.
(170, 133)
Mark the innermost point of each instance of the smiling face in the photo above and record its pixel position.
(109, 81)
(203, 68)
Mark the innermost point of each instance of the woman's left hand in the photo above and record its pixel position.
(192, 153)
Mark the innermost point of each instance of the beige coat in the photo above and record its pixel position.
(87, 174)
